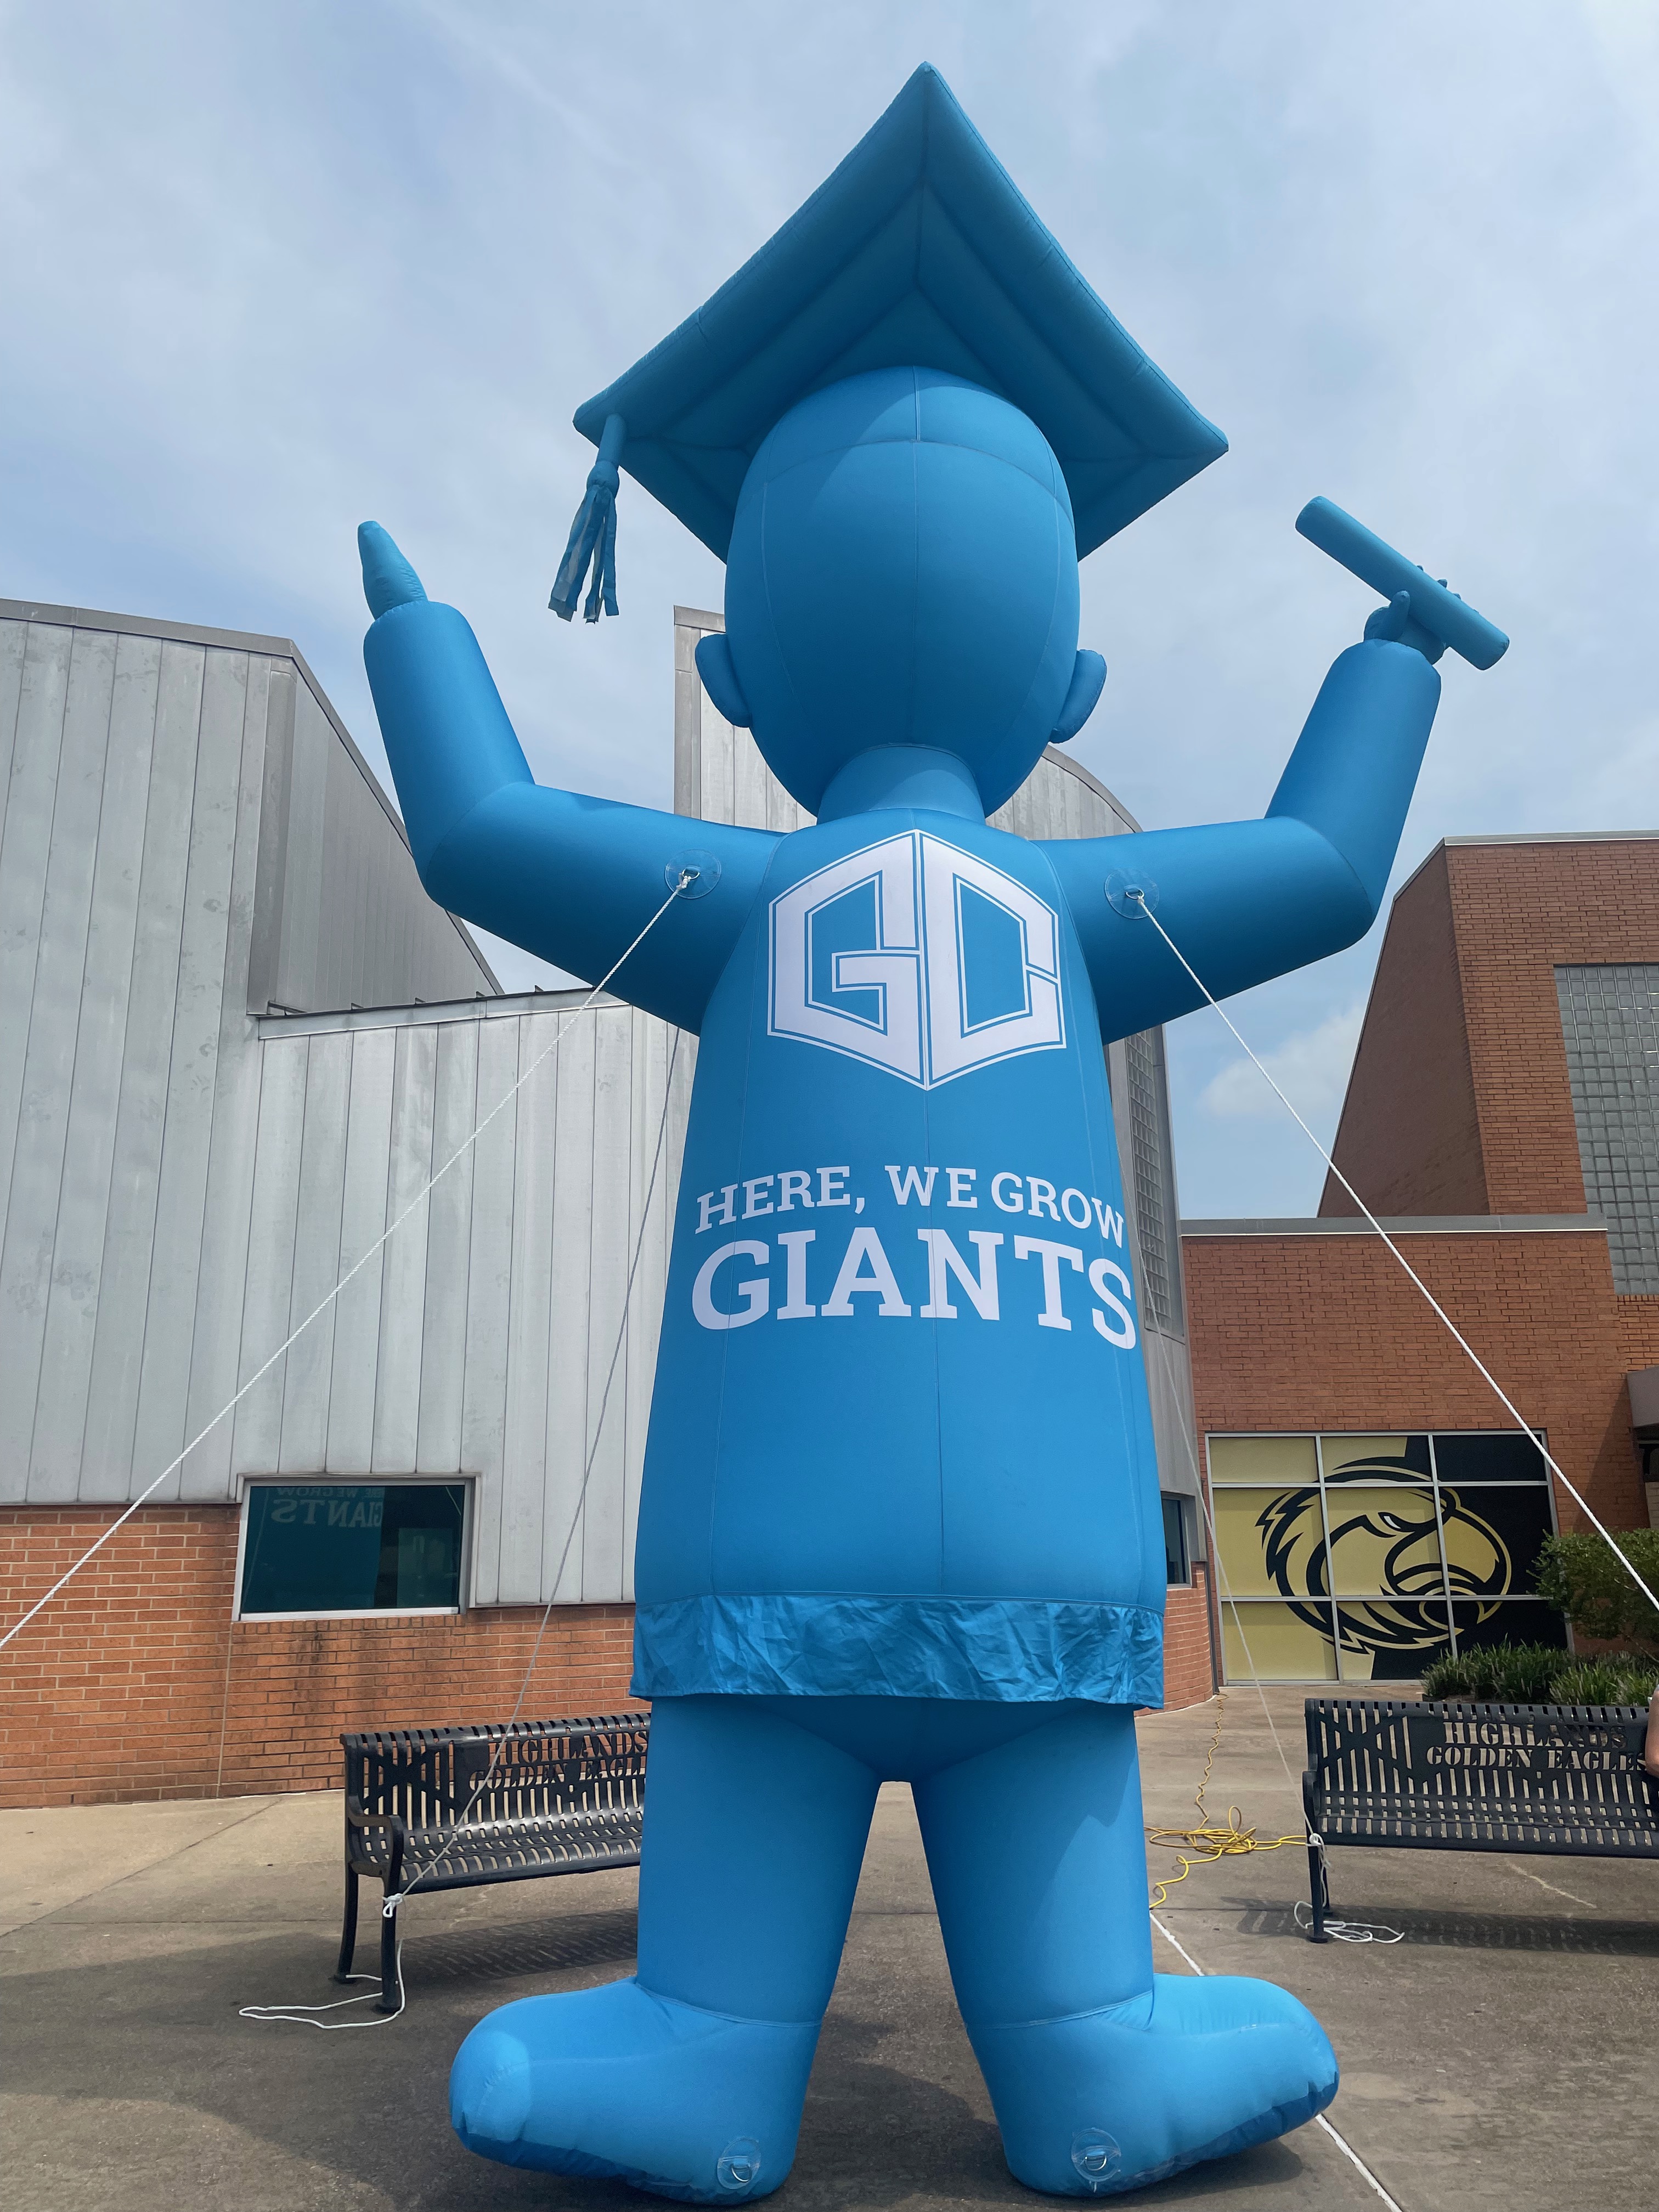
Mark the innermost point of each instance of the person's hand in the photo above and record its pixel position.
(388, 579)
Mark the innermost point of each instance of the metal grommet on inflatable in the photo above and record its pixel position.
(1096, 2157)
(740, 2164)
(693, 874)
(1131, 893)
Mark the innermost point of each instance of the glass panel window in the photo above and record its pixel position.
(1391, 1642)
(1278, 1643)
(1376, 1459)
(1380, 1536)
(1270, 1543)
(1507, 1458)
(1177, 1568)
(1610, 1025)
(1493, 1538)
(1263, 1459)
(1383, 1541)
(353, 1547)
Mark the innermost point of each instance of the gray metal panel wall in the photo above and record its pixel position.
(342, 919)
(136, 762)
(491, 1335)
(339, 915)
(126, 892)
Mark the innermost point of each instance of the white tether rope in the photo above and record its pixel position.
(1342, 1931)
(687, 876)
(1140, 898)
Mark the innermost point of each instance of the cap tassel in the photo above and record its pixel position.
(593, 534)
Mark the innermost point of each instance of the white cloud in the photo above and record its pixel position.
(1311, 1067)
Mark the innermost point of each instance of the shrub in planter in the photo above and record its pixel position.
(1619, 1678)
(1579, 1576)
(1499, 1674)
(1541, 1674)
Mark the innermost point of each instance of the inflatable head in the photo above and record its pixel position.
(901, 424)
(902, 571)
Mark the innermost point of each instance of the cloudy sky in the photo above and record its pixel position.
(268, 270)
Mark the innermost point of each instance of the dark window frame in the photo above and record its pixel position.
(465, 1483)
(1183, 1518)
(1332, 1602)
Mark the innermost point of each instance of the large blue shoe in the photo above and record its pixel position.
(1111, 2100)
(614, 2081)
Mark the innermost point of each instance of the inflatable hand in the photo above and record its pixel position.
(388, 579)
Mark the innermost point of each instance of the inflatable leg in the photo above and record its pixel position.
(687, 2079)
(1104, 2076)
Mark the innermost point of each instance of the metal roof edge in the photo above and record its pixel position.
(1056, 758)
(233, 640)
(1406, 1225)
(1528, 838)
(1558, 837)
(507, 1005)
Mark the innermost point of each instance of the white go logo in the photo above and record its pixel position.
(919, 958)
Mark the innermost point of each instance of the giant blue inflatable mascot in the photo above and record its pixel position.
(900, 1515)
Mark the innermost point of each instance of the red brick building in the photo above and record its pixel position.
(1372, 1498)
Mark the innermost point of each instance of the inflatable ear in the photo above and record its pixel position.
(1088, 678)
(720, 679)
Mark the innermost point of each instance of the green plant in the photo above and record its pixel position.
(1541, 1674)
(1581, 1576)
(1619, 1678)
(1502, 1674)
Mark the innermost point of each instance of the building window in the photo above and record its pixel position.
(1177, 1558)
(1610, 1023)
(1151, 1156)
(323, 1547)
(1361, 1558)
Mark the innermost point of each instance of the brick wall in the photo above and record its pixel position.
(1459, 1100)
(1518, 911)
(136, 1683)
(1326, 1333)
(1190, 1672)
(1409, 1138)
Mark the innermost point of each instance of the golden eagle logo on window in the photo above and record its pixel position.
(1385, 1542)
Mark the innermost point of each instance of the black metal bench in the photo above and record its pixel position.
(551, 1797)
(1557, 1781)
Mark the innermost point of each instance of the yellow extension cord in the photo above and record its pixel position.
(1205, 1844)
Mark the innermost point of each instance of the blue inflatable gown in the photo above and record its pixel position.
(900, 1515)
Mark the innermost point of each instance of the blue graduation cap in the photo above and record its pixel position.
(918, 252)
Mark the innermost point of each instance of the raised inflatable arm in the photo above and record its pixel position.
(1246, 901)
(570, 878)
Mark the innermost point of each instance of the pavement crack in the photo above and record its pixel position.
(1572, 1896)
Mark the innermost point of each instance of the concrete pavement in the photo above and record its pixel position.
(1501, 2056)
